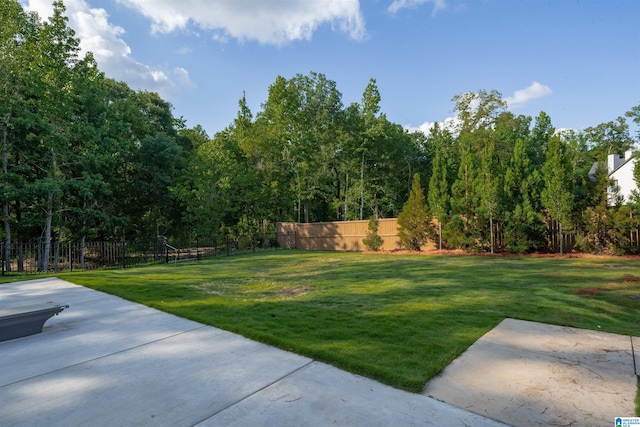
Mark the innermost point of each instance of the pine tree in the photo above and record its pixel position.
(439, 192)
(557, 195)
(461, 227)
(414, 222)
(373, 241)
(487, 188)
(524, 228)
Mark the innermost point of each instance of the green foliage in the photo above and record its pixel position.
(464, 199)
(635, 196)
(373, 241)
(459, 233)
(478, 110)
(596, 238)
(438, 196)
(488, 186)
(624, 221)
(522, 230)
(438, 186)
(76, 150)
(86, 157)
(557, 172)
(524, 227)
(609, 138)
(608, 230)
(414, 221)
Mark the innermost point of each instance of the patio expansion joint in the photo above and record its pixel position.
(255, 392)
(102, 357)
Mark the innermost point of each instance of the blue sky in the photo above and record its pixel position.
(577, 60)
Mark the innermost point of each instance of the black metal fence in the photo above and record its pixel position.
(30, 258)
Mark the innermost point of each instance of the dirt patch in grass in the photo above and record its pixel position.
(592, 292)
(214, 288)
(629, 282)
(295, 292)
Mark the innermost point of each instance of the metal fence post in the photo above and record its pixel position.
(166, 251)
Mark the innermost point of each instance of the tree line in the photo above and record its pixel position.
(85, 157)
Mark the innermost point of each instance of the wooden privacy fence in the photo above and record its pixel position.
(337, 236)
(348, 236)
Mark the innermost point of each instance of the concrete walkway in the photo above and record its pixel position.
(532, 374)
(105, 361)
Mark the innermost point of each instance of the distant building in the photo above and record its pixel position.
(620, 171)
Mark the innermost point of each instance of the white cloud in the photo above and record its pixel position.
(182, 76)
(268, 22)
(452, 124)
(519, 99)
(522, 96)
(424, 128)
(185, 50)
(397, 5)
(111, 52)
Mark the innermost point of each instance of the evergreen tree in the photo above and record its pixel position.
(439, 192)
(557, 195)
(414, 221)
(373, 241)
(487, 188)
(598, 223)
(461, 227)
(524, 228)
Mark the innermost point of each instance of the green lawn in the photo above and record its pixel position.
(399, 319)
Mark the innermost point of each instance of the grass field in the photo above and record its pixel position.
(399, 319)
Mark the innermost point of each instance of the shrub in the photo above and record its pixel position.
(373, 241)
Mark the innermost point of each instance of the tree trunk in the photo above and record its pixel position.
(83, 239)
(362, 186)
(561, 237)
(56, 255)
(47, 234)
(346, 196)
(375, 204)
(49, 220)
(491, 231)
(83, 244)
(20, 254)
(5, 204)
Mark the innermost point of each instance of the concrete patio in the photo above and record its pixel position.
(105, 361)
(533, 374)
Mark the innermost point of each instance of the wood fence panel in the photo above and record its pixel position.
(337, 235)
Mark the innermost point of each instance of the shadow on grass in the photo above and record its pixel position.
(397, 319)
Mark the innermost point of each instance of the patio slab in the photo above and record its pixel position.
(531, 374)
(106, 361)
